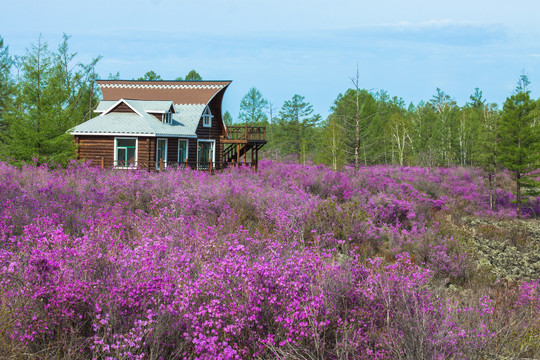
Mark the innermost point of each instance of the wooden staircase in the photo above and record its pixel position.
(240, 141)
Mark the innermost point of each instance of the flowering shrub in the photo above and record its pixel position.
(291, 261)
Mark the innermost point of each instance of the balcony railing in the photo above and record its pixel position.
(248, 133)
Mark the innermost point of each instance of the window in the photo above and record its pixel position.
(182, 151)
(207, 117)
(161, 153)
(166, 118)
(125, 152)
(205, 153)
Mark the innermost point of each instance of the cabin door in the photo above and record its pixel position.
(161, 153)
(205, 153)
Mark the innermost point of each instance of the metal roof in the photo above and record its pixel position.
(184, 120)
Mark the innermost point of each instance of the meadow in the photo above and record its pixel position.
(292, 261)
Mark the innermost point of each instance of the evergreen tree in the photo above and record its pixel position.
(444, 130)
(252, 108)
(470, 120)
(6, 84)
(52, 96)
(355, 111)
(193, 76)
(28, 124)
(520, 139)
(295, 134)
(150, 76)
(114, 76)
(227, 118)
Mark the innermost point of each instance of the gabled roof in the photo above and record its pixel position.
(148, 106)
(184, 120)
(179, 92)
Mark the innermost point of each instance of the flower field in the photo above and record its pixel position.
(292, 261)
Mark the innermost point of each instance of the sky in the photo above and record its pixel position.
(285, 47)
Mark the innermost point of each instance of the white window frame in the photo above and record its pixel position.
(166, 151)
(187, 150)
(207, 117)
(213, 150)
(115, 159)
(166, 117)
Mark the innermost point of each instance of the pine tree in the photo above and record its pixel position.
(520, 139)
(193, 76)
(444, 129)
(252, 108)
(295, 133)
(227, 118)
(52, 95)
(6, 84)
(150, 76)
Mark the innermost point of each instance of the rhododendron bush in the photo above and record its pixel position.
(288, 262)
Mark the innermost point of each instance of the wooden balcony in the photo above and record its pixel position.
(245, 134)
(242, 140)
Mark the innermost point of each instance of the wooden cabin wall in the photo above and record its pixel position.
(95, 148)
(214, 132)
(172, 149)
(192, 153)
(146, 147)
(123, 108)
(91, 147)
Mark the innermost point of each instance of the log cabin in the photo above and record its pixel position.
(160, 124)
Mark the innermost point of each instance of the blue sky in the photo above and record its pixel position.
(311, 48)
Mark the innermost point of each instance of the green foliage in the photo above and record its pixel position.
(193, 76)
(332, 150)
(252, 108)
(6, 85)
(114, 76)
(376, 128)
(519, 135)
(295, 131)
(150, 76)
(352, 110)
(486, 151)
(51, 96)
(227, 118)
(445, 128)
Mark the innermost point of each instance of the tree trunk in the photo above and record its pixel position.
(518, 193)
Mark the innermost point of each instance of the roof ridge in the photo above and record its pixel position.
(176, 81)
(162, 86)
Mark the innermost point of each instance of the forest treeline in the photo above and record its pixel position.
(45, 92)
